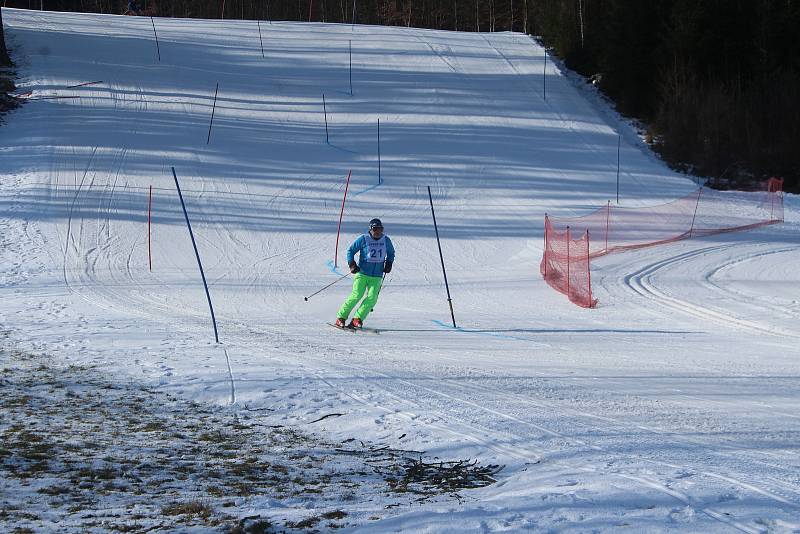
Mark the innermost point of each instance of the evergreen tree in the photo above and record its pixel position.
(5, 61)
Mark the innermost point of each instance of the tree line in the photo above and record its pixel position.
(715, 81)
(5, 61)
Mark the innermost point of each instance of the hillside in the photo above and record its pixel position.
(670, 406)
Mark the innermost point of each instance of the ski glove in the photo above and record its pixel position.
(354, 267)
(387, 267)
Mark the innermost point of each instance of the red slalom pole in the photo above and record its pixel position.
(568, 258)
(341, 214)
(546, 226)
(149, 211)
(588, 271)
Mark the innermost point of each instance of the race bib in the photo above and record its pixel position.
(376, 250)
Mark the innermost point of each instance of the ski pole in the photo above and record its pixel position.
(326, 287)
(379, 289)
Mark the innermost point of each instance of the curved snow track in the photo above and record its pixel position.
(707, 297)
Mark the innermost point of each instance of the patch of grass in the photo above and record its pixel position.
(280, 469)
(105, 473)
(309, 522)
(153, 426)
(54, 490)
(33, 469)
(25, 436)
(16, 401)
(213, 437)
(140, 460)
(191, 508)
(242, 489)
(128, 527)
(259, 526)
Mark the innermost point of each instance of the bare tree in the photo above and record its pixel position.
(5, 61)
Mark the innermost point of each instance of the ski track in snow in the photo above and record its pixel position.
(778, 494)
(403, 406)
(642, 282)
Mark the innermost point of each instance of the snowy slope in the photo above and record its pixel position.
(671, 406)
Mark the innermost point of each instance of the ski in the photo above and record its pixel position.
(362, 330)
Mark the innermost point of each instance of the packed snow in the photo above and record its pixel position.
(671, 406)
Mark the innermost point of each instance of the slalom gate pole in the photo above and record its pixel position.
(341, 214)
(213, 109)
(546, 225)
(83, 84)
(568, 260)
(380, 180)
(197, 254)
(699, 192)
(544, 76)
(608, 220)
(441, 257)
(158, 48)
(326, 287)
(325, 111)
(588, 269)
(260, 40)
(771, 205)
(149, 212)
(351, 67)
(619, 142)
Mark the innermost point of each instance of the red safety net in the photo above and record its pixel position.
(565, 264)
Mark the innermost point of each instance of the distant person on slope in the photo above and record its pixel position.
(133, 8)
(376, 255)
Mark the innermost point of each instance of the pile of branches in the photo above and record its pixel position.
(414, 474)
(438, 476)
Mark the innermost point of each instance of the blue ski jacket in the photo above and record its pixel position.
(361, 245)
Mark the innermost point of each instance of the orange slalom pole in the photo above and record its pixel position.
(341, 214)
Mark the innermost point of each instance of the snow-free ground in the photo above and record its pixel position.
(672, 406)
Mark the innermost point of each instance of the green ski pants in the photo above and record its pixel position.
(371, 285)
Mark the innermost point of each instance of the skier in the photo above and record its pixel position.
(376, 255)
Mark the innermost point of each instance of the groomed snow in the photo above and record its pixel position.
(672, 406)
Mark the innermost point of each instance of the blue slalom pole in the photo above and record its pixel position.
(380, 180)
(435, 227)
(213, 109)
(197, 254)
(351, 66)
(158, 48)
